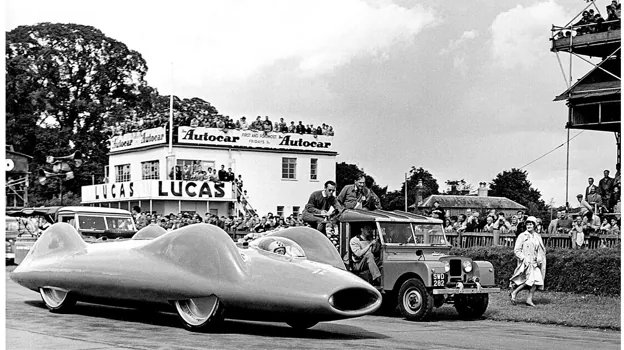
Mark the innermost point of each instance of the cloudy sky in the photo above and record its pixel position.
(463, 89)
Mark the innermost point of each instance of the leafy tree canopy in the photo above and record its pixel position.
(513, 184)
(346, 174)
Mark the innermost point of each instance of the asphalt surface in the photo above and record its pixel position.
(29, 325)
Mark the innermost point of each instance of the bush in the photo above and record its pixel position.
(588, 271)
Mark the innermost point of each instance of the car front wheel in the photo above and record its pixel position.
(57, 300)
(414, 300)
(200, 314)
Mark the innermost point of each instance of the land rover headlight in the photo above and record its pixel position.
(467, 266)
(447, 266)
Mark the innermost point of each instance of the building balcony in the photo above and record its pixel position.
(600, 44)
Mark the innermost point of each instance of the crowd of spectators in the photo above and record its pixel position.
(196, 172)
(593, 22)
(135, 124)
(254, 225)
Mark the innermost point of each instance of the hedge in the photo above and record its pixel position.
(586, 271)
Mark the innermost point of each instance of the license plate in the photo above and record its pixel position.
(438, 280)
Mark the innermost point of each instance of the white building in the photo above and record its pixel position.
(279, 170)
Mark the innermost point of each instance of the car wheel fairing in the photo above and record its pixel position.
(200, 314)
(471, 306)
(302, 324)
(56, 299)
(414, 300)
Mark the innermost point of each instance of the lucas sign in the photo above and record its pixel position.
(253, 139)
(132, 140)
(158, 189)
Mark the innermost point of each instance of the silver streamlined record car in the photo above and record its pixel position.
(202, 273)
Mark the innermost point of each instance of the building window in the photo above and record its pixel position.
(295, 211)
(289, 168)
(122, 173)
(313, 168)
(280, 211)
(150, 170)
(196, 169)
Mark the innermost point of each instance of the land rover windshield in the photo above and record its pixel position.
(412, 233)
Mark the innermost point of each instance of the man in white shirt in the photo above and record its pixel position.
(363, 248)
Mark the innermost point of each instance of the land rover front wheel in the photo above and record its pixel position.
(471, 306)
(414, 300)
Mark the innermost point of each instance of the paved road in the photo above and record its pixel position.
(30, 326)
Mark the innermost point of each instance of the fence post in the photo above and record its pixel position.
(496, 238)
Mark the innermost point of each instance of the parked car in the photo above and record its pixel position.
(418, 273)
(16, 227)
(94, 224)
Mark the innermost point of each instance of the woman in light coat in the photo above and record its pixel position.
(531, 255)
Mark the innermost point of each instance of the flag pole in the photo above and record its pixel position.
(406, 192)
(171, 114)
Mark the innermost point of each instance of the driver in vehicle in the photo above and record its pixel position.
(277, 247)
(363, 250)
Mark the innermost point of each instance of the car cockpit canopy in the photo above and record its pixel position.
(278, 245)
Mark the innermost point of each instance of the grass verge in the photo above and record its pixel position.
(566, 309)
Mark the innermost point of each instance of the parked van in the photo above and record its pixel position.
(95, 224)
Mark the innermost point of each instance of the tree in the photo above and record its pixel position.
(65, 85)
(395, 200)
(513, 184)
(458, 187)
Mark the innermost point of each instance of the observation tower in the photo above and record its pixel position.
(594, 100)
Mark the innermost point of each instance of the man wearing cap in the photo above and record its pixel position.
(585, 206)
(243, 123)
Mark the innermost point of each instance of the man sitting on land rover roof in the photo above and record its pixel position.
(363, 249)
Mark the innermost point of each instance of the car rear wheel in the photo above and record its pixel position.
(414, 300)
(57, 300)
(471, 306)
(302, 324)
(200, 314)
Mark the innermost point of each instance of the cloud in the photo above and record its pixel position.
(231, 40)
(520, 35)
(454, 44)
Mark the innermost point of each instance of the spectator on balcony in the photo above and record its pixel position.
(590, 187)
(221, 123)
(175, 173)
(267, 125)
(186, 173)
(330, 131)
(222, 175)
(194, 122)
(472, 222)
(318, 131)
(582, 26)
(213, 176)
(230, 175)
(606, 185)
(292, 128)
(257, 124)
(309, 129)
(243, 123)
(300, 129)
(591, 223)
(281, 126)
(239, 182)
(594, 199)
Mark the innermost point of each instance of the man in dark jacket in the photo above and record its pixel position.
(321, 206)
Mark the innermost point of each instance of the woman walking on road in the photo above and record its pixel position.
(531, 255)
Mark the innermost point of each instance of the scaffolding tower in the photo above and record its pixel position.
(594, 100)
